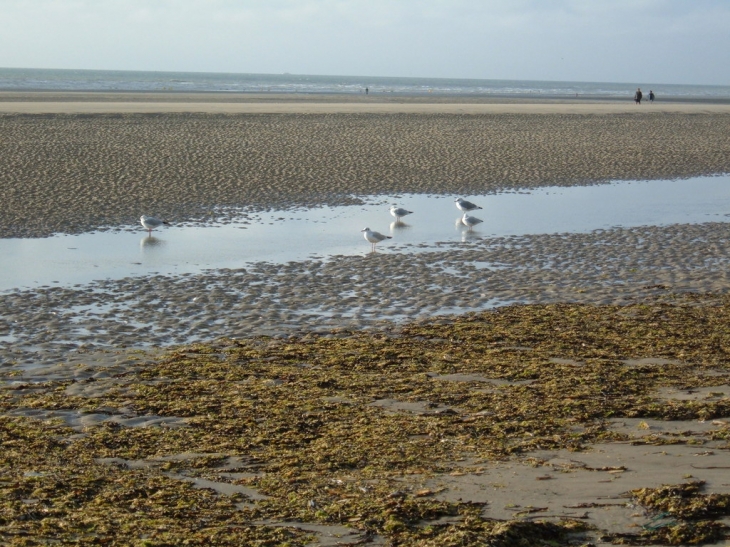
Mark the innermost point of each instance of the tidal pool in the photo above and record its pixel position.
(293, 235)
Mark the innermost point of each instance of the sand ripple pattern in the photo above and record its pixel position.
(358, 292)
(75, 173)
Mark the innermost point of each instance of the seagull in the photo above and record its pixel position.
(466, 206)
(151, 223)
(470, 222)
(399, 212)
(374, 237)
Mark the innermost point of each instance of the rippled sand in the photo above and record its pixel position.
(364, 292)
(76, 172)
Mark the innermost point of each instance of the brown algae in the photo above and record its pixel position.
(293, 419)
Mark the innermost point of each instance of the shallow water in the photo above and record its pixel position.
(282, 236)
(125, 80)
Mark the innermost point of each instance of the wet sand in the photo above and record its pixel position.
(71, 354)
(74, 172)
(364, 292)
(295, 107)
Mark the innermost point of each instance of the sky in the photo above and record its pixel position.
(660, 41)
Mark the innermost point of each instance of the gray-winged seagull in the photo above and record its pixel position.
(374, 237)
(399, 212)
(150, 223)
(466, 206)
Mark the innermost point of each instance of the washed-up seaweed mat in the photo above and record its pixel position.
(314, 428)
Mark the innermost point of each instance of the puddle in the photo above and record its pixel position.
(282, 236)
(637, 428)
(714, 393)
(421, 408)
(328, 534)
(591, 485)
(221, 488)
(80, 420)
(476, 379)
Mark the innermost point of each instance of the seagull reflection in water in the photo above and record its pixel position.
(470, 221)
(150, 242)
(469, 235)
(398, 225)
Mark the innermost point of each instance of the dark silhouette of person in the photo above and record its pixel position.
(651, 96)
(638, 95)
(367, 91)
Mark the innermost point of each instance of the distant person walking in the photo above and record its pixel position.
(367, 91)
(651, 96)
(638, 96)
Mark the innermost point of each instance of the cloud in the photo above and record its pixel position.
(621, 40)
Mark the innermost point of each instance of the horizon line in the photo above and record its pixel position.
(279, 74)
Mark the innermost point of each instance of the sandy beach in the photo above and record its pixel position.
(69, 168)
(318, 407)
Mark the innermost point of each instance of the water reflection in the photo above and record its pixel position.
(329, 231)
(469, 235)
(398, 225)
(150, 242)
(470, 221)
(465, 225)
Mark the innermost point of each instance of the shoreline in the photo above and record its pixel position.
(110, 102)
(253, 96)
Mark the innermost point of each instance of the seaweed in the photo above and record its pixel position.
(306, 423)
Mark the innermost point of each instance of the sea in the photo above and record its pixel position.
(34, 79)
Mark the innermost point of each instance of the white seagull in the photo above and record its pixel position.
(466, 206)
(399, 212)
(470, 222)
(374, 237)
(150, 223)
